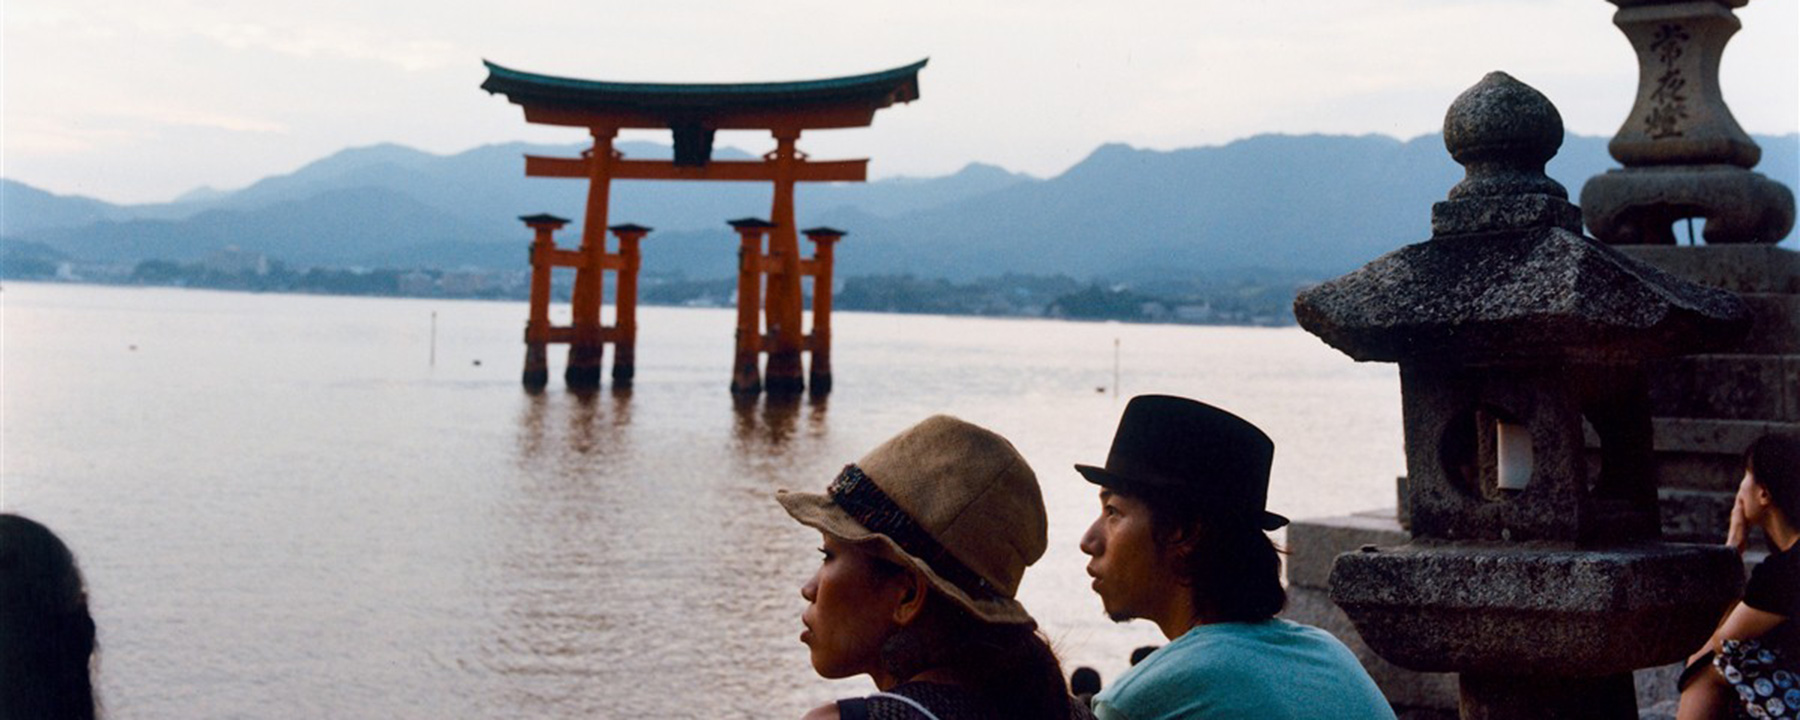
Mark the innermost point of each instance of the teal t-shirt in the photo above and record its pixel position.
(1274, 669)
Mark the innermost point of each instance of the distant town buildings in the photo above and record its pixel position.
(233, 261)
(1226, 300)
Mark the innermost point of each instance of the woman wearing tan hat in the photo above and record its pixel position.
(925, 540)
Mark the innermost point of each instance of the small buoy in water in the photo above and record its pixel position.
(1100, 389)
(477, 363)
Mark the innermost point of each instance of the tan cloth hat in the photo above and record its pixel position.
(947, 497)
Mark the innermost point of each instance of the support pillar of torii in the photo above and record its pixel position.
(586, 336)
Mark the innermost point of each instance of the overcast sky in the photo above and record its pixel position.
(142, 100)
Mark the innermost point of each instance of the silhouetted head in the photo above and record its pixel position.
(1773, 461)
(1084, 681)
(46, 633)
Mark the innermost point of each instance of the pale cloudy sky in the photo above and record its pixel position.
(141, 100)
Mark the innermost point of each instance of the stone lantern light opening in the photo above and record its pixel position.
(1512, 457)
(1487, 453)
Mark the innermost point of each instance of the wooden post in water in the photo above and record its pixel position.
(537, 327)
(624, 336)
(588, 345)
(782, 301)
(819, 342)
(745, 379)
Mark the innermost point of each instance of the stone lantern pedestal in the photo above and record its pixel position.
(1535, 568)
(1535, 631)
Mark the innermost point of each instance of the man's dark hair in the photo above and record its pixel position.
(1233, 569)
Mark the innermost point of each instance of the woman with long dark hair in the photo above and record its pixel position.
(46, 633)
(924, 542)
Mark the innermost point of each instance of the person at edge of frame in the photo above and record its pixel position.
(1751, 665)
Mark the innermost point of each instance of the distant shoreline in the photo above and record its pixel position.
(904, 295)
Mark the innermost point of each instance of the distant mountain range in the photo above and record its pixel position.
(1318, 205)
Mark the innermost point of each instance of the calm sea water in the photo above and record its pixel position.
(285, 509)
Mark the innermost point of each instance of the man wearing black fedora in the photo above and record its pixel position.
(1181, 542)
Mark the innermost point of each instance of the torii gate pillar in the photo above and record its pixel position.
(819, 342)
(537, 327)
(745, 378)
(782, 306)
(624, 331)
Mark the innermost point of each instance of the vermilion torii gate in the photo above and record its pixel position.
(694, 112)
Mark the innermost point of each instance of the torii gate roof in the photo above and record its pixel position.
(849, 101)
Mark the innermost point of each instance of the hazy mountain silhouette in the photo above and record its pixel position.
(356, 226)
(25, 210)
(1310, 204)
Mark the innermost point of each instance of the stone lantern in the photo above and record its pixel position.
(1684, 154)
(1535, 568)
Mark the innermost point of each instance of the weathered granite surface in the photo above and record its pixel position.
(1314, 544)
(1709, 407)
(1640, 206)
(1540, 582)
(1749, 269)
(1684, 154)
(1503, 133)
(1514, 609)
(1534, 294)
(1679, 116)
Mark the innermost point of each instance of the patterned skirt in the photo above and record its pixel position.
(1765, 678)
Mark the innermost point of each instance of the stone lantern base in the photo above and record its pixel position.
(1536, 632)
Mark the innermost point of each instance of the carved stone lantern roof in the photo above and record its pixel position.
(1507, 277)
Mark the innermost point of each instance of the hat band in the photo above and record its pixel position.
(863, 501)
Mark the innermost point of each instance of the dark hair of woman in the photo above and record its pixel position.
(46, 633)
(1774, 460)
(1232, 566)
(1010, 665)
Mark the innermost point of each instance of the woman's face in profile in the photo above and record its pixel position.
(1752, 498)
(851, 603)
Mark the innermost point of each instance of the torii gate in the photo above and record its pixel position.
(693, 112)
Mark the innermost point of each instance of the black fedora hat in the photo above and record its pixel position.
(1175, 447)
